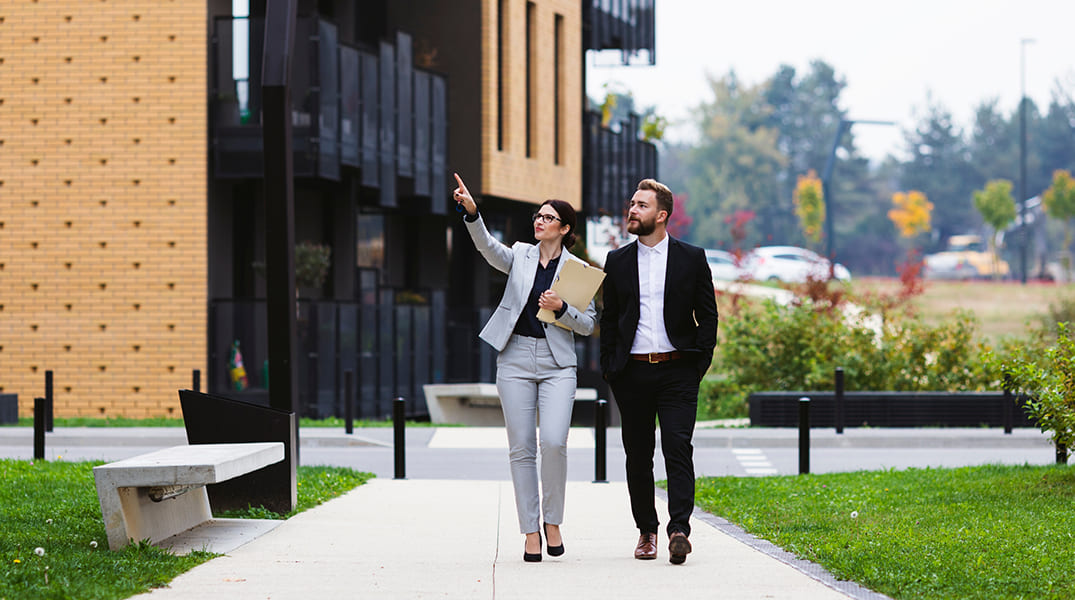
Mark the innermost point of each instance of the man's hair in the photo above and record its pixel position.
(664, 195)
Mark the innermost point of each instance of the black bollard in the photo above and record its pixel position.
(196, 381)
(39, 428)
(600, 424)
(838, 399)
(348, 403)
(804, 435)
(48, 401)
(400, 427)
(1007, 405)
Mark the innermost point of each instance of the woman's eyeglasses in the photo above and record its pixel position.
(546, 219)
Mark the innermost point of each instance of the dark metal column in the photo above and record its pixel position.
(280, 17)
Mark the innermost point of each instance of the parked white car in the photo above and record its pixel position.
(724, 267)
(790, 264)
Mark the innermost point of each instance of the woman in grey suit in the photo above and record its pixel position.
(535, 368)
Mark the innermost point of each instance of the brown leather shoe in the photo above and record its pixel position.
(678, 548)
(647, 547)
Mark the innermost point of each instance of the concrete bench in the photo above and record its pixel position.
(162, 494)
(474, 403)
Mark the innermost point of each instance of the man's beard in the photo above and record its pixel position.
(640, 227)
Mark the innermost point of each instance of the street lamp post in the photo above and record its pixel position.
(1024, 232)
(826, 189)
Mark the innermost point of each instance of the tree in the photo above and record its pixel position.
(994, 144)
(809, 202)
(733, 165)
(911, 214)
(1054, 138)
(679, 223)
(997, 208)
(805, 111)
(1059, 201)
(940, 167)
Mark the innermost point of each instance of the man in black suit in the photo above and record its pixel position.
(658, 332)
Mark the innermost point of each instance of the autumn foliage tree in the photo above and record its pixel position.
(997, 208)
(911, 213)
(810, 205)
(680, 222)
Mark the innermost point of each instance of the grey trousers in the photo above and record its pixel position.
(530, 384)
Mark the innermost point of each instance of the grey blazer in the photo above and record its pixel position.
(520, 262)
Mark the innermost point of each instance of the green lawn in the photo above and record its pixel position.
(993, 532)
(53, 506)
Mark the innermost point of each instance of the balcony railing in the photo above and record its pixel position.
(392, 349)
(350, 108)
(624, 25)
(613, 164)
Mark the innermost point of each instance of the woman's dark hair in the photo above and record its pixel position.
(567, 217)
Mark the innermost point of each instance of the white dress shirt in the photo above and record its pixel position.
(651, 335)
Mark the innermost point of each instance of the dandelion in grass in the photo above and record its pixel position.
(93, 543)
(854, 514)
(39, 551)
(48, 521)
(16, 561)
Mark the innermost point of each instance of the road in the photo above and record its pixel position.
(471, 453)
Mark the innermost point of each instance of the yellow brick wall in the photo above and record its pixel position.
(103, 273)
(509, 172)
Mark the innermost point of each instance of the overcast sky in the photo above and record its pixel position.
(893, 55)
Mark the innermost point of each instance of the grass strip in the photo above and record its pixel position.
(991, 532)
(53, 506)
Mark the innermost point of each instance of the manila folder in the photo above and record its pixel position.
(576, 285)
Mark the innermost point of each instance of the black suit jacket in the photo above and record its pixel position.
(690, 306)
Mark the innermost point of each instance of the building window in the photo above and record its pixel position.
(370, 251)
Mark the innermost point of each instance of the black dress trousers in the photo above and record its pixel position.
(668, 392)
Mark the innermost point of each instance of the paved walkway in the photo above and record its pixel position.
(459, 539)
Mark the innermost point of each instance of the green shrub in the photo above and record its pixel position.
(720, 398)
(768, 347)
(1044, 371)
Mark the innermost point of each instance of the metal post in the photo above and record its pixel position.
(827, 196)
(804, 435)
(1024, 233)
(348, 401)
(600, 424)
(1007, 405)
(280, 18)
(196, 381)
(49, 402)
(399, 425)
(39, 428)
(838, 399)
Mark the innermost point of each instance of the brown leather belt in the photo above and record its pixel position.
(657, 357)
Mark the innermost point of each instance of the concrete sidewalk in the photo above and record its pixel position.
(460, 539)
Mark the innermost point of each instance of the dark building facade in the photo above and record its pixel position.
(388, 100)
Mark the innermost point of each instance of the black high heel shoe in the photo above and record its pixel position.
(527, 557)
(553, 550)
